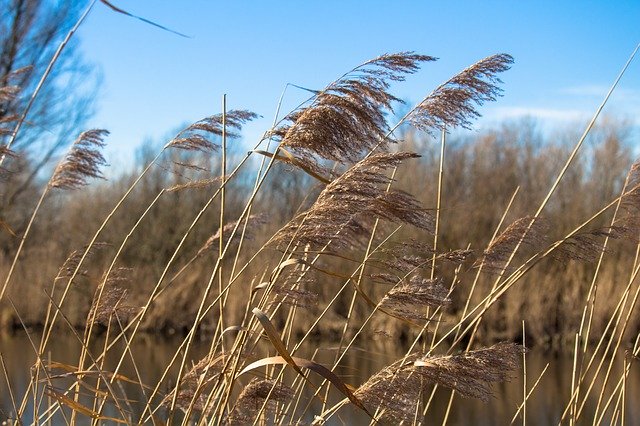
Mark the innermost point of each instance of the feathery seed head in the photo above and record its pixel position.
(83, 161)
(453, 103)
(194, 137)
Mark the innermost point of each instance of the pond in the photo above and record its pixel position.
(544, 407)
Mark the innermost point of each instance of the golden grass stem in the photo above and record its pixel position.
(572, 414)
(524, 375)
(223, 176)
(443, 142)
(586, 133)
(10, 389)
(528, 395)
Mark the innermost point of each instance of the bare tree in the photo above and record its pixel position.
(30, 33)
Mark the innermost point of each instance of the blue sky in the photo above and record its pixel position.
(566, 54)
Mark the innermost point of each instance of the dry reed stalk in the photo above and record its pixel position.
(608, 336)
(578, 145)
(528, 395)
(305, 218)
(632, 178)
(418, 296)
(190, 138)
(9, 388)
(622, 329)
(524, 376)
(633, 355)
(99, 291)
(201, 309)
(565, 168)
(81, 163)
(328, 306)
(74, 403)
(498, 290)
(468, 300)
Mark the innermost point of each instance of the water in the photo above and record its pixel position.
(545, 406)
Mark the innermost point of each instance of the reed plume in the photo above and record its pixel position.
(472, 373)
(70, 265)
(194, 383)
(527, 232)
(587, 246)
(253, 397)
(453, 103)
(409, 298)
(396, 389)
(406, 257)
(83, 161)
(345, 209)
(196, 136)
(253, 223)
(195, 184)
(4, 153)
(8, 93)
(292, 289)
(111, 306)
(347, 118)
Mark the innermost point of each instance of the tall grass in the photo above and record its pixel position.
(322, 240)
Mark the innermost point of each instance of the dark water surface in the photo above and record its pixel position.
(545, 407)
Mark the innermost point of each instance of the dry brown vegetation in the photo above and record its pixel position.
(335, 226)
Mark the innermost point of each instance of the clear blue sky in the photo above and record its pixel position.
(567, 54)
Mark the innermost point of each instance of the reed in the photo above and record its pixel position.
(356, 256)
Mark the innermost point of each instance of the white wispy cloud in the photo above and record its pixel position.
(597, 90)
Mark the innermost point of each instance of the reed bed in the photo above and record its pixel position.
(344, 254)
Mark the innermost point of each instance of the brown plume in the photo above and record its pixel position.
(195, 184)
(347, 118)
(83, 161)
(252, 399)
(527, 232)
(112, 306)
(195, 137)
(346, 208)
(254, 222)
(395, 389)
(472, 373)
(409, 298)
(72, 262)
(194, 384)
(454, 102)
